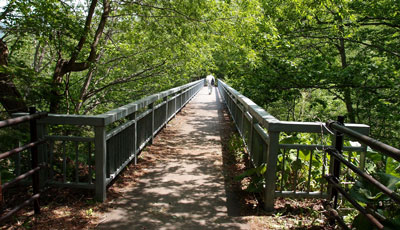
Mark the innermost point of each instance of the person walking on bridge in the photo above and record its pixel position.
(210, 82)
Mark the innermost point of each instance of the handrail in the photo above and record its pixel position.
(33, 145)
(336, 152)
(388, 150)
(19, 120)
(261, 133)
(112, 115)
(100, 150)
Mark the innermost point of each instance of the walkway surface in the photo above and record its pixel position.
(186, 189)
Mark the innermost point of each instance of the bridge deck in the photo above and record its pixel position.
(186, 189)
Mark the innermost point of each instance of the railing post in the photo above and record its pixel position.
(100, 162)
(34, 159)
(336, 162)
(133, 118)
(270, 174)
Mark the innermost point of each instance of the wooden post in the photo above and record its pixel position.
(270, 174)
(100, 162)
(34, 159)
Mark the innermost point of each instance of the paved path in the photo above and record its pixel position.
(186, 189)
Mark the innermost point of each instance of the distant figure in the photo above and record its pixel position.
(210, 82)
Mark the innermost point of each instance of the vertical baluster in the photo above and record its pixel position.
(151, 106)
(51, 153)
(76, 162)
(242, 125)
(252, 124)
(283, 168)
(117, 146)
(132, 140)
(115, 151)
(309, 171)
(89, 163)
(323, 171)
(181, 99)
(125, 145)
(118, 150)
(42, 156)
(295, 172)
(109, 160)
(122, 148)
(135, 138)
(64, 162)
(175, 95)
(166, 110)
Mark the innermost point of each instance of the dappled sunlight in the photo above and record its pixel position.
(186, 189)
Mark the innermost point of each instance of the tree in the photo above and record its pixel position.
(79, 56)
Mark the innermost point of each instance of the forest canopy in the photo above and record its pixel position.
(301, 60)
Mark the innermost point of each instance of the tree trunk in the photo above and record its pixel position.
(55, 95)
(66, 66)
(347, 90)
(10, 98)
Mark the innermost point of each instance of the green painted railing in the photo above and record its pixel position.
(263, 136)
(90, 151)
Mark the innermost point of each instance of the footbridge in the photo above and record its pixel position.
(292, 157)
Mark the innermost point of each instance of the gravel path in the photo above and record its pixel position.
(185, 189)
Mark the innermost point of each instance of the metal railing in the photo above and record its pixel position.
(335, 180)
(303, 165)
(35, 166)
(106, 143)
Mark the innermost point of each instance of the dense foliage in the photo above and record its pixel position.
(301, 60)
(88, 56)
(313, 60)
(308, 60)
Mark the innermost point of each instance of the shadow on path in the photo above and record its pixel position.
(186, 189)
